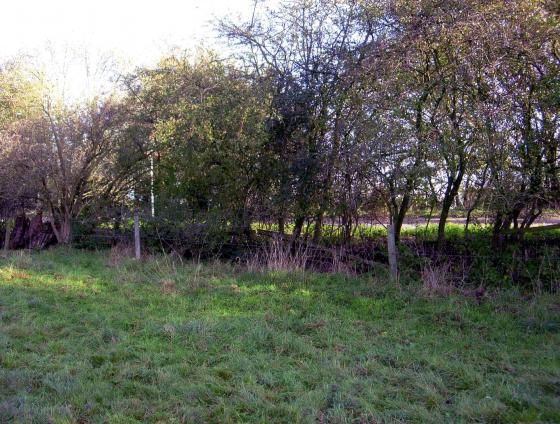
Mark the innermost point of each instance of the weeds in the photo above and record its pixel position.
(118, 254)
(277, 255)
(437, 280)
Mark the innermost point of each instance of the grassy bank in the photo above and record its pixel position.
(85, 337)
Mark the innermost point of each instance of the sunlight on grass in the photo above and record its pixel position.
(303, 292)
(9, 273)
(14, 276)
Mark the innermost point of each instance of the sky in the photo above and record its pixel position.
(59, 33)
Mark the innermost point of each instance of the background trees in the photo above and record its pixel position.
(301, 51)
(325, 112)
(526, 79)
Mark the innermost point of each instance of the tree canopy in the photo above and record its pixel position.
(323, 110)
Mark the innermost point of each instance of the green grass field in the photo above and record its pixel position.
(155, 342)
(422, 231)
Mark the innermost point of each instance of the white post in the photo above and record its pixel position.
(392, 251)
(136, 234)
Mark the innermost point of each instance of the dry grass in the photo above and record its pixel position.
(118, 254)
(279, 256)
(437, 280)
(340, 263)
(168, 286)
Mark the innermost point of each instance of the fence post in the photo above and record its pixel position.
(136, 234)
(392, 251)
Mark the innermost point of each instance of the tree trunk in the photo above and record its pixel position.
(298, 226)
(451, 192)
(40, 235)
(318, 227)
(476, 201)
(392, 252)
(7, 235)
(432, 206)
(18, 235)
(281, 229)
(326, 186)
(445, 207)
(136, 234)
(347, 224)
(496, 230)
(398, 223)
(468, 221)
(64, 235)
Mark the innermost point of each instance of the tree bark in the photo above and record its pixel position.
(497, 229)
(298, 226)
(136, 234)
(318, 227)
(399, 219)
(451, 192)
(7, 235)
(18, 235)
(281, 229)
(64, 231)
(476, 201)
(392, 252)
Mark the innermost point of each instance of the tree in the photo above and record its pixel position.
(525, 78)
(19, 99)
(205, 129)
(62, 158)
(301, 49)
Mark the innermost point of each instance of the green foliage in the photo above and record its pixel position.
(163, 342)
(19, 95)
(206, 131)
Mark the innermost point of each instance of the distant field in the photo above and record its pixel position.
(418, 228)
(93, 338)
